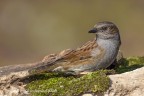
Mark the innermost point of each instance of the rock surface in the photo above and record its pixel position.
(127, 84)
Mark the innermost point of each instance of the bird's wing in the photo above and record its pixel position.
(81, 53)
(80, 56)
(71, 55)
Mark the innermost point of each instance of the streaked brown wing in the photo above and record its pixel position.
(70, 55)
(81, 55)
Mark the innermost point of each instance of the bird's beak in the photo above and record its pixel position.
(93, 30)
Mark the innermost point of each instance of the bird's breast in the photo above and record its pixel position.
(105, 53)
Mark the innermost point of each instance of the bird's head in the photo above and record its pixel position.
(105, 30)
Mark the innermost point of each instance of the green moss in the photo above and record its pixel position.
(129, 64)
(58, 85)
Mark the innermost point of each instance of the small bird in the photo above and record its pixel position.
(96, 54)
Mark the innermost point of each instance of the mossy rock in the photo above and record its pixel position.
(57, 84)
(129, 64)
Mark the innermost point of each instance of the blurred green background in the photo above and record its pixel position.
(31, 29)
